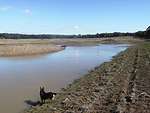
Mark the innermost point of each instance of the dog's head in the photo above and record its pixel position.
(41, 89)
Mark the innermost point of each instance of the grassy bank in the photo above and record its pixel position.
(27, 49)
(122, 85)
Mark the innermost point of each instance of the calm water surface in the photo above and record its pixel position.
(21, 77)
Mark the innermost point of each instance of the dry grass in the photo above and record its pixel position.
(27, 49)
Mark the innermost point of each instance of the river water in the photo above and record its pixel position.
(21, 77)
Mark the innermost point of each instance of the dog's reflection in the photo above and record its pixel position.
(32, 103)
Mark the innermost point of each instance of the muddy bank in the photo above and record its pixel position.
(119, 86)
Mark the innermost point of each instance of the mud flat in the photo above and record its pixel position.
(119, 86)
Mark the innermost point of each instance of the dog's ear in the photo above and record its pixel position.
(40, 87)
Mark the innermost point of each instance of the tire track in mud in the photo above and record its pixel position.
(130, 98)
(141, 88)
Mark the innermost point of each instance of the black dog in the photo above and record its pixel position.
(46, 95)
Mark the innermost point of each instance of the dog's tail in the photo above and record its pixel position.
(55, 93)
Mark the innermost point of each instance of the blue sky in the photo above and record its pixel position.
(73, 16)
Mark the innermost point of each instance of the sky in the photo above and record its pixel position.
(73, 16)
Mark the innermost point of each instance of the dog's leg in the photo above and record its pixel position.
(53, 96)
(41, 101)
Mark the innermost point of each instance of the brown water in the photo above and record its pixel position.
(21, 77)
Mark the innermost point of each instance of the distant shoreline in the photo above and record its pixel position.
(26, 47)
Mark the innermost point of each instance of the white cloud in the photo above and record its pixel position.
(28, 11)
(5, 8)
(76, 27)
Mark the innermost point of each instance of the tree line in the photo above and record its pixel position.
(139, 34)
(48, 36)
(143, 34)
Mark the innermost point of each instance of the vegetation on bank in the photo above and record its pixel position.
(121, 85)
(28, 49)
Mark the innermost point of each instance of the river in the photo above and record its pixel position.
(21, 77)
